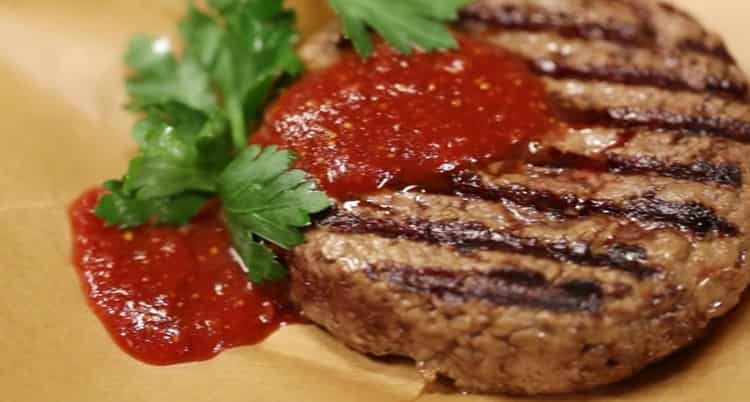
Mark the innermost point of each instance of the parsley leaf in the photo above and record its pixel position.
(264, 199)
(196, 106)
(119, 208)
(256, 49)
(179, 151)
(403, 24)
(160, 78)
(261, 262)
(182, 152)
(243, 52)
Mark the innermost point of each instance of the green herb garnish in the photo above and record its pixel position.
(263, 198)
(405, 24)
(199, 106)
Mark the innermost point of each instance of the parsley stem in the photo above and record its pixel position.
(237, 122)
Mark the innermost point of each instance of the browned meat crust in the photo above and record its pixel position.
(612, 251)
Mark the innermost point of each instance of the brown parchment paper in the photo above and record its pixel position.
(62, 129)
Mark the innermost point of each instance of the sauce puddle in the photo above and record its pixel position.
(172, 295)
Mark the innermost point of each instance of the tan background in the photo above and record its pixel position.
(63, 130)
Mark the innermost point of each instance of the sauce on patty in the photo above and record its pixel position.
(396, 121)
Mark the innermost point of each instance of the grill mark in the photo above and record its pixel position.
(473, 235)
(567, 25)
(507, 286)
(718, 50)
(734, 129)
(691, 215)
(632, 75)
(700, 171)
(671, 9)
(518, 18)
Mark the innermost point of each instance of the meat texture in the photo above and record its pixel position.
(613, 248)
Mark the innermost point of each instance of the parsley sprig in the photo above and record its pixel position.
(263, 198)
(198, 107)
(405, 24)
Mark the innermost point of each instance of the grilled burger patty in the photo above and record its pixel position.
(612, 249)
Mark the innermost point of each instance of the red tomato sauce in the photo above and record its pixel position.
(396, 120)
(170, 295)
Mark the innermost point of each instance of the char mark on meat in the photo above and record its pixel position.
(719, 51)
(634, 75)
(470, 236)
(573, 25)
(569, 25)
(507, 286)
(689, 215)
(694, 123)
(699, 171)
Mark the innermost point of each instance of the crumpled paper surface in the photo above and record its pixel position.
(63, 130)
